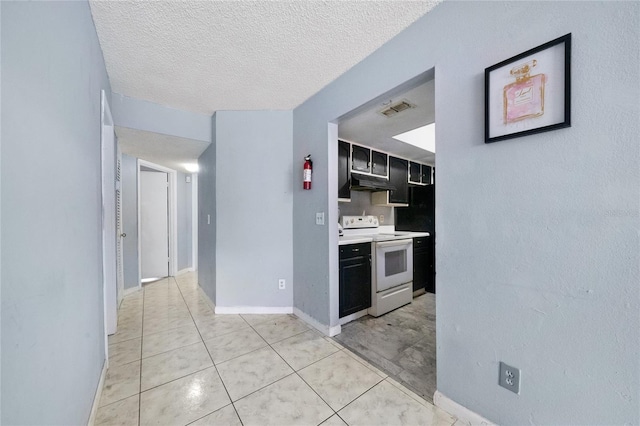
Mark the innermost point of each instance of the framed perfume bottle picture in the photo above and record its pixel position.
(529, 93)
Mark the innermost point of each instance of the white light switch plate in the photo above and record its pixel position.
(320, 218)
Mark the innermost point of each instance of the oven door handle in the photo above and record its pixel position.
(398, 243)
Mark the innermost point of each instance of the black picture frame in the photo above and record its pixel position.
(518, 107)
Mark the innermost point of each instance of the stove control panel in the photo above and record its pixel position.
(355, 222)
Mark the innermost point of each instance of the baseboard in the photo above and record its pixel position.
(324, 329)
(128, 291)
(463, 414)
(353, 317)
(98, 395)
(184, 271)
(253, 310)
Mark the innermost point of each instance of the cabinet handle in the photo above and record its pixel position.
(356, 249)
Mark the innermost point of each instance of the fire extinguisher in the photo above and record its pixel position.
(306, 176)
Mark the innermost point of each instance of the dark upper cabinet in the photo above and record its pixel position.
(355, 278)
(425, 177)
(398, 177)
(344, 176)
(360, 159)
(378, 163)
(414, 172)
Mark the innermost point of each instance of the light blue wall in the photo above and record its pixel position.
(538, 237)
(207, 206)
(254, 208)
(144, 115)
(185, 237)
(52, 306)
(130, 220)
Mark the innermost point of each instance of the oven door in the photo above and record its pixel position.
(394, 263)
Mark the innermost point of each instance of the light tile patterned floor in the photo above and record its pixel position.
(174, 362)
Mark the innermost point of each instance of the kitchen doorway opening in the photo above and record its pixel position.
(383, 277)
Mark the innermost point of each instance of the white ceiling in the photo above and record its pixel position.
(205, 56)
(375, 130)
(168, 151)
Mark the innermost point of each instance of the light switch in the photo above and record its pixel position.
(320, 218)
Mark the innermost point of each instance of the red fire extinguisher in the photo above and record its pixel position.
(306, 177)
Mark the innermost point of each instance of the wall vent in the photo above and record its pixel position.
(397, 108)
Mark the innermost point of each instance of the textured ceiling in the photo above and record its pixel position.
(205, 56)
(168, 151)
(375, 130)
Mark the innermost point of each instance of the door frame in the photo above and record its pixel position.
(173, 217)
(109, 260)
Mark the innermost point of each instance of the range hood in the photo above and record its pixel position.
(360, 182)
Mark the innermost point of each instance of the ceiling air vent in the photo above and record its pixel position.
(396, 108)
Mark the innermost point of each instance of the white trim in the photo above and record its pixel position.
(353, 317)
(184, 271)
(324, 329)
(463, 414)
(253, 310)
(173, 215)
(128, 291)
(98, 394)
(332, 228)
(138, 223)
(194, 221)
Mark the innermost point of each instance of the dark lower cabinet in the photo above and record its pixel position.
(424, 264)
(355, 278)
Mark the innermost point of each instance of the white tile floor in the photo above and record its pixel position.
(174, 362)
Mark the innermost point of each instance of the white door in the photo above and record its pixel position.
(108, 154)
(119, 229)
(154, 224)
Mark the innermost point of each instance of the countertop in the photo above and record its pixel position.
(357, 239)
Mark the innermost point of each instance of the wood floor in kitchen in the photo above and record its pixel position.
(402, 343)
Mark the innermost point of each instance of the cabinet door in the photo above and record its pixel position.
(355, 278)
(398, 173)
(421, 263)
(344, 181)
(360, 159)
(426, 174)
(378, 163)
(414, 172)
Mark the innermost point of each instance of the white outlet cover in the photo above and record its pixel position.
(320, 218)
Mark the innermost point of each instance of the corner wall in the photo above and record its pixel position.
(538, 237)
(52, 293)
(253, 209)
(207, 217)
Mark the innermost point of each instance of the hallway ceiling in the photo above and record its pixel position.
(165, 150)
(206, 56)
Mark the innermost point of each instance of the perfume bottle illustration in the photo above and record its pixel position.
(525, 97)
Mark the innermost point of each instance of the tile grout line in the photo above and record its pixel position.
(210, 357)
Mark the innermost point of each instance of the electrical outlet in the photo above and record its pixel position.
(320, 218)
(381, 219)
(509, 378)
(281, 284)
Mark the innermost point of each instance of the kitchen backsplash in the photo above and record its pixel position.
(361, 201)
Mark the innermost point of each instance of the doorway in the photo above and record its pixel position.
(157, 222)
(401, 342)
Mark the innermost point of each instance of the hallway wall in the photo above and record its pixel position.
(52, 293)
(185, 248)
(207, 217)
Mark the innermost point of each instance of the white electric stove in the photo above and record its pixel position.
(392, 262)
